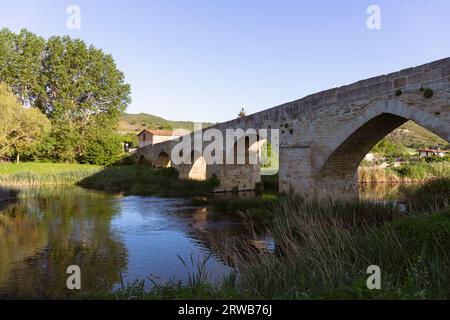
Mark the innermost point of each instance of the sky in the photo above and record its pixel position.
(204, 60)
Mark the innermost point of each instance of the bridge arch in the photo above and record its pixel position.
(141, 160)
(336, 166)
(197, 170)
(162, 160)
(246, 150)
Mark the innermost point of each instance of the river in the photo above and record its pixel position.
(114, 239)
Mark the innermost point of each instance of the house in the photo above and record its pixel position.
(423, 153)
(150, 137)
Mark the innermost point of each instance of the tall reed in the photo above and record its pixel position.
(324, 249)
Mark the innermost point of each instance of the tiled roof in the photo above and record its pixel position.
(157, 132)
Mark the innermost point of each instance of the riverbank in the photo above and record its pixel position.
(145, 180)
(405, 173)
(129, 180)
(40, 174)
(323, 250)
(61, 173)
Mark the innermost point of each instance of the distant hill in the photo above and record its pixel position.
(136, 122)
(411, 135)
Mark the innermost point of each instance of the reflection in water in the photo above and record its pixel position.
(379, 191)
(47, 229)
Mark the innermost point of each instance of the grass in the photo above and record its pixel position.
(429, 197)
(260, 207)
(424, 170)
(131, 180)
(323, 251)
(145, 180)
(413, 172)
(35, 174)
(376, 174)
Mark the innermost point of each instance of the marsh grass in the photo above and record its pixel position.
(427, 198)
(323, 251)
(36, 174)
(412, 172)
(130, 180)
(197, 286)
(260, 206)
(377, 174)
(145, 180)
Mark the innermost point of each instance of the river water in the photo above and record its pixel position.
(114, 239)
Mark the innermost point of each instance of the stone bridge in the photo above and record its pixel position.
(323, 137)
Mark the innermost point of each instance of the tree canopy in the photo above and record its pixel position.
(20, 127)
(78, 87)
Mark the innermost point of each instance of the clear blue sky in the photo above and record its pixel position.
(204, 60)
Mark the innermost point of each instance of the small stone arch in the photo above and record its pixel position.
(141, 160)
(162, 160)
(246, 150)
(198, 169)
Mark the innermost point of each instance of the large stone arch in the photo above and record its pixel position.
(336, 163)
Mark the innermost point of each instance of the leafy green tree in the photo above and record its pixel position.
(20, 127)
(131, 138)
(20, 63)
(80, 82)
(387, 148)
(76, 86)
(104, 146)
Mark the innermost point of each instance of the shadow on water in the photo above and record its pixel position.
(379, 191)
(146, 180)
(7, 197)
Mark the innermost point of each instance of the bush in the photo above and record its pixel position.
(423, 170)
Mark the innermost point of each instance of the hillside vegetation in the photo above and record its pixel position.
(137, 122)
(411, 135)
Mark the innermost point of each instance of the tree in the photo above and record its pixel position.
(71, 83)
(20, 127)
(104, 145)
(242, 113)
(80, 82)
(20, 63)
(388, 148)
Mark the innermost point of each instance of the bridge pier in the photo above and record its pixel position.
(295, 170)
(297, 176)
(236, 177)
